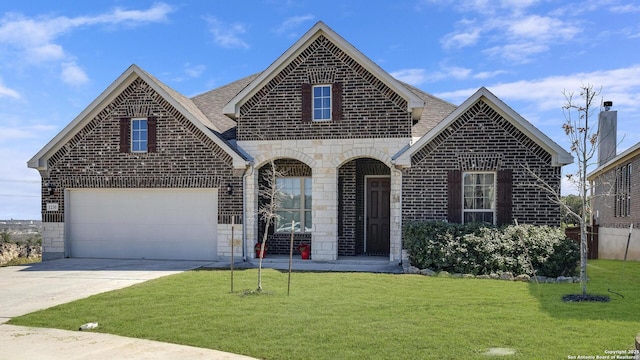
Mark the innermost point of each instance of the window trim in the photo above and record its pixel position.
(622, 198)
(131, 139)
(494, 201)
(303, 210)
(313, 102)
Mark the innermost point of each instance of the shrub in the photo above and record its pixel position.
(481, 249)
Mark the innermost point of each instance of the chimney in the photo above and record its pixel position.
(607, 129)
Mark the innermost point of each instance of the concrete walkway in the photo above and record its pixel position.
(20, 343)
(34, 287)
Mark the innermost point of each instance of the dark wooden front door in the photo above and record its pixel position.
(378, 219)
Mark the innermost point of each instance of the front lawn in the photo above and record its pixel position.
(372, 316)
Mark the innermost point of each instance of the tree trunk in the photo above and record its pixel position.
(264, 241)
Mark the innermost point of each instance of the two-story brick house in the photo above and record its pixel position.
(145, 172)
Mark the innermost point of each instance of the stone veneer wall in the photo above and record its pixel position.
(52, 240)
(481, 139)
(185, 158)
(325, 157)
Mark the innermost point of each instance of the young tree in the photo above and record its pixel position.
(271, 198)
(579, 127)
(574, 202)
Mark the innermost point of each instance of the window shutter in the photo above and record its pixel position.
(151, 134)
(504, 197)
(125, 134)
(454, 196)
(306, 102)
(336, 101)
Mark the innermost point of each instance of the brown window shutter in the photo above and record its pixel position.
(454, 196)
(504, 197)
(125, 134)
(336, 101)
(306, 102)
(151, 134)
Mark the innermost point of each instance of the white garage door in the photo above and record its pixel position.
(178, 224)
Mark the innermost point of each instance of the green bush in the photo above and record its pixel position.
(481, 249)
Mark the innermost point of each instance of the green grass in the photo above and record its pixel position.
(373, 316)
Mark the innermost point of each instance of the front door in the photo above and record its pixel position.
(378, 220)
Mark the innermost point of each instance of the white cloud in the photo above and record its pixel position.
(417, 77)
(540, 28)
(72, 74)
(292, 23)
(460, 39)
(488, 74)
(157, 13)
(414, 77)
(622, 86)
(20, 132)
(508, 32)
(520, 53)
(7, 92)
(33, 40)
(625, 9)
(194, 71)
(227, 35)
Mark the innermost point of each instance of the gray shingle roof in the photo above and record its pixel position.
(186, 103)
(212, 102)
(435, 110)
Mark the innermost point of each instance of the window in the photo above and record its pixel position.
(623, 191)
(479, 197)
(139, 135)
(321, 102)
(296, 205)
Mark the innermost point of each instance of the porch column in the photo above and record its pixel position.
(251, 213)
(324, 238)
(395, 228)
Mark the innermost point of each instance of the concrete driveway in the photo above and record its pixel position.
(25, 289)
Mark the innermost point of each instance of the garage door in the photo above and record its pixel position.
(178, 224)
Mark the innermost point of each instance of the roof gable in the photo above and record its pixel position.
(184, 105)
(559, 155)
(232, 108)
(617, 160)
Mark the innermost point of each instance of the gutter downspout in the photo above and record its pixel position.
(244, 212)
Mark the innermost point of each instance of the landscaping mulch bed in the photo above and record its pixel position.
(587, 297)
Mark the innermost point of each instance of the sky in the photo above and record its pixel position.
(57, 57)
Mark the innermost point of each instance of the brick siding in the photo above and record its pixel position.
(185, 157)
(480, 139)
(604, 200)
(370, 109)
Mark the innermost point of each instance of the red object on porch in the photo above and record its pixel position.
(257, 247)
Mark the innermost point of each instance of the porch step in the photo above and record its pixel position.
(371, 264)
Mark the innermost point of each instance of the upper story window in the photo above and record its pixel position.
(296, 204)
(623, 191)
(479, 197)
(139, 135)
(321, 102)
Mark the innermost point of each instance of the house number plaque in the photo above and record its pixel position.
(52, 206)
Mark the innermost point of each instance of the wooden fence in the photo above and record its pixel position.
(573, 233)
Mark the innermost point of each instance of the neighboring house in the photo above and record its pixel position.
(145, 172)
(616, 194)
